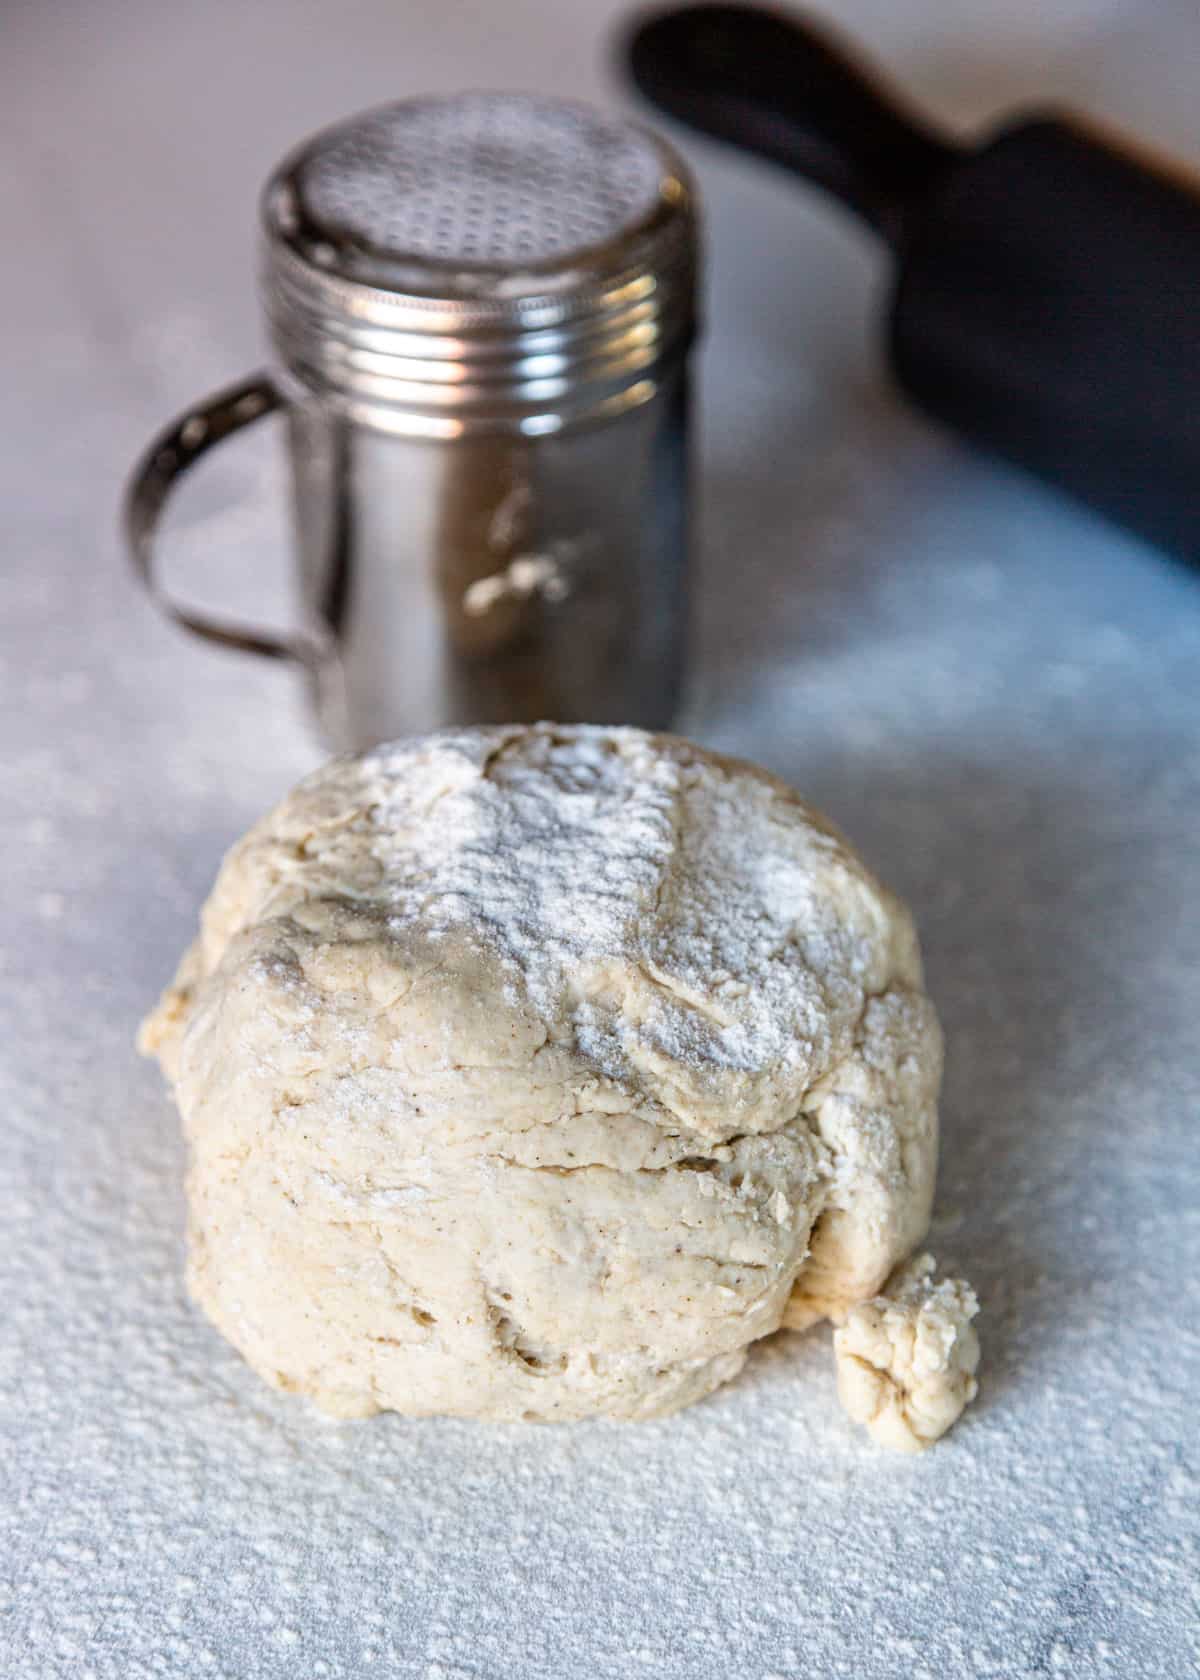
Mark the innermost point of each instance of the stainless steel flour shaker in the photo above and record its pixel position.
(480, 308)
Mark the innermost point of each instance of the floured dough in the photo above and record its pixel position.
(535, 1073)
(906, 1361)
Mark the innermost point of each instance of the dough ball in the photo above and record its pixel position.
(906, 1361)
(537, 1072)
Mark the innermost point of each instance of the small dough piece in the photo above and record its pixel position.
(906, 1360)
(538, 1072)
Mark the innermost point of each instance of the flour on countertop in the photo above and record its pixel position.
(996, 696)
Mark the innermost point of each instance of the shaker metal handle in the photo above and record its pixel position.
(176, 448)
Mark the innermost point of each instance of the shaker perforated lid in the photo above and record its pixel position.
(479, 254)
(485, 179)
(440, 195)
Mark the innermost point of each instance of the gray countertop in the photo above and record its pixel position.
(996, 696)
